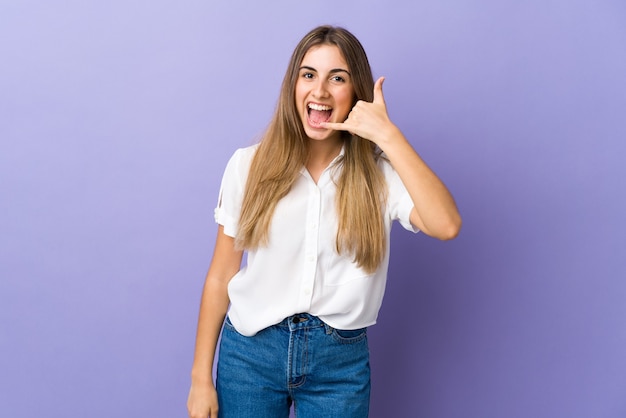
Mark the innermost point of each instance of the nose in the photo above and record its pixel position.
(320, 89)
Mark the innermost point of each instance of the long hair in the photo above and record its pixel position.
(283, 150)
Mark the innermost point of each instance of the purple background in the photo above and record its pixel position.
(117, 119)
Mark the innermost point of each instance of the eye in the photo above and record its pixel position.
(338, 79)
(308, 75)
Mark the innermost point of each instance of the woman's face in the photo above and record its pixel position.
(324, 91)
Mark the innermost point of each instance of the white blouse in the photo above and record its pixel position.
(300, 270)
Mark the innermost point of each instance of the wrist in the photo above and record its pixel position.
(201, 378)
(389, 137)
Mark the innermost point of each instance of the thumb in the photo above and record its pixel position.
(378, 91)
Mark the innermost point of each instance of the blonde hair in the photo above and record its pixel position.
(283, 150)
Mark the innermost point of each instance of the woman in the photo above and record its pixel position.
(312, 204)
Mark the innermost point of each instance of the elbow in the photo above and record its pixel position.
(451, 229)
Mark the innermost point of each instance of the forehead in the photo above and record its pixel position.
(323, 57)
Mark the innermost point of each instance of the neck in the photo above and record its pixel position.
(324, 151)
(321, 153)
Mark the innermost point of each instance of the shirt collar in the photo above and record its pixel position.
(332, 164)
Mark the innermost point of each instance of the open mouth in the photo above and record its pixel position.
(318, 114)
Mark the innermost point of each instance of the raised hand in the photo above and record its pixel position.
(368, 120)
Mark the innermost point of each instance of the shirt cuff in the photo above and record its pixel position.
(228, 222)
(405, 207)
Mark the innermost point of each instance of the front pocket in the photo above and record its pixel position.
(228, 324)
(349, 336)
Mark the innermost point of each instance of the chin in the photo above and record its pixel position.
(319, 134)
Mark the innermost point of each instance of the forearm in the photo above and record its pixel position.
(435, 211)
(203, 401)
(213, 308)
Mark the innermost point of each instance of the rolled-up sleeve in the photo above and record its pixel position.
(231, 192)
(399, 202)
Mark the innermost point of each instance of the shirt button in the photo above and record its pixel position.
(311, 258)
(307, 291)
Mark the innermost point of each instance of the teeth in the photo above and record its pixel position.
(315, 106)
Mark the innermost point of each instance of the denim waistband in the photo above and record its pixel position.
(302, 320)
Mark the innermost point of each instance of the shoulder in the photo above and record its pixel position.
(244, 154)
(241, 159)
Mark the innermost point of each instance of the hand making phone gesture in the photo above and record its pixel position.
(369, 120)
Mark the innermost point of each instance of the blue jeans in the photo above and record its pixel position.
(323, 371)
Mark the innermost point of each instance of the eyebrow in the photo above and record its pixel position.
(333, 71)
